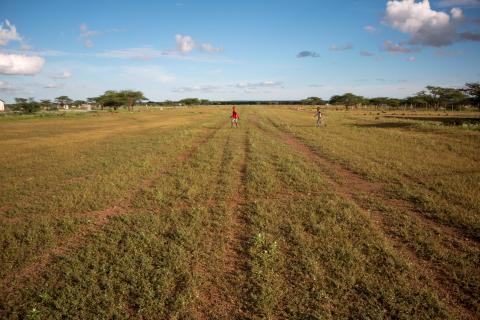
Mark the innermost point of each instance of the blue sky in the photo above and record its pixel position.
(226, 50)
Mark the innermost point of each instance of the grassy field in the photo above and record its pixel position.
(174, 215)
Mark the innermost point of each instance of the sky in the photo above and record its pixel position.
(236, 50)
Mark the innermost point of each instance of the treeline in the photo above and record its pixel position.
(432, 97)
(110, 99)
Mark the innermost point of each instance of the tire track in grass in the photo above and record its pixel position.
(95, 221)
(377, 187)
(350, 186)
(221, 297)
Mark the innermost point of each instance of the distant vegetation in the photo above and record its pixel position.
(432, 97)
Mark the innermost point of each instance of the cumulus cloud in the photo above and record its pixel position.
(307, 54)
(395, 47)
(426, 26)
(20, 64)
(8, 32)
(185, 44)
(207, 47)
(342, 47)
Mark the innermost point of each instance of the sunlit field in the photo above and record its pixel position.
(173, 214)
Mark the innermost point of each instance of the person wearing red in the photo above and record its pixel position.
(234, 117)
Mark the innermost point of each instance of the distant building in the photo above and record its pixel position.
(85, 106)
(2, 105)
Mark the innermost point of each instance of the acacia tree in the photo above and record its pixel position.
(189, 101)
(347, 99)
(473, 90)
(131, 97)
(446, 97)
(313, 101)
(63, 100)
(110, 99)
(47, 104)
(27, 105)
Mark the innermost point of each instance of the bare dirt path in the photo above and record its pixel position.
(96, 220)
(352, 187)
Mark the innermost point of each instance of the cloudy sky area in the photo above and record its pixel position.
(228, 50)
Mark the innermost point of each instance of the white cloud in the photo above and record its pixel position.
(185, 44)
(457, 13)
(8, 33)
(20, 64)
(395, 48)
(207, 47)
(411, 59)
(426, 26)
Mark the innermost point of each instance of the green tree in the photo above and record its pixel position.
(47, 104)
(447, 97)
(420, 100)
(347, 99)
(78, 103)
(190, 101)
(473, 90)
(110, 99)
(63, 100)
(130, 98)
(27, 105)
(313, 101)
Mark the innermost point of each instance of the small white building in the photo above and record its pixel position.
(85, 106)
(2, 105)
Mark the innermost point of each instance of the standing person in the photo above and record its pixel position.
(234, 117)
(318, 114)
